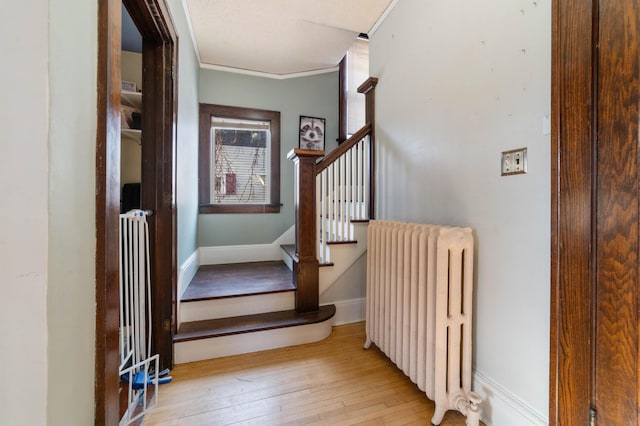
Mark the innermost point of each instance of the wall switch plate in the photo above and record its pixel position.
(514, 162)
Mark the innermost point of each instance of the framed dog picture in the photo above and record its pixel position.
(312, 133)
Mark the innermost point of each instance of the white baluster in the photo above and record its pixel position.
(334, 202)
(347, 197)
(356, 209)
(365, 178)
(318, 214)
(353, 153)
(325, 214)
(342, 176)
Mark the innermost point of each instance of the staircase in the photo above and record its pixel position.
(334, 201)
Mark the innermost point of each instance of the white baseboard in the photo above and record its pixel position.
(217, 255)
(349, 311)
(501, 407)
(187, 271)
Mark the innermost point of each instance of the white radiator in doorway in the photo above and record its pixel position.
(419, 308)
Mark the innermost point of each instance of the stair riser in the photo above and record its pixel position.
(217, 347)
(287, 259)
(236, 306)
(343, 256)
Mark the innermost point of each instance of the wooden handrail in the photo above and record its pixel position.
(307, 167)
(344, 147)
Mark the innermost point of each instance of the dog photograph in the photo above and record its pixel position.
(312, 133)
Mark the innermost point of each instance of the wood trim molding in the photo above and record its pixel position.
(204, 163)
(367, 86)
(595, 244)
(306, 275)
(616, 50)
(368, 89)
(343, 109)
(573, 173)
(107, 213)
(159, 57)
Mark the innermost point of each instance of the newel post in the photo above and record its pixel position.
(305, 263)
(368, 88)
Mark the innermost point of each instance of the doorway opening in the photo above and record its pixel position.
(157, 184)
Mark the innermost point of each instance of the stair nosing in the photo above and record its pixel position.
(325, 313)
(231, 296)
(334, 242)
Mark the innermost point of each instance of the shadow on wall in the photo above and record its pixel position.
(406, 181)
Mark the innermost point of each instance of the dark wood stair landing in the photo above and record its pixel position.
(239, 279)
(251, 323)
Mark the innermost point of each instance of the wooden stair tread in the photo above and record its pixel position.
(238, 279)
(290, 249)
(250, 323)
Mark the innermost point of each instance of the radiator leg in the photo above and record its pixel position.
(367, 343)
(470, 407)
(438, 415)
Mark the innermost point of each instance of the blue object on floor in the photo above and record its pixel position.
(141, 377)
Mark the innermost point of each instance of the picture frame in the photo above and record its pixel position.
(312, 133)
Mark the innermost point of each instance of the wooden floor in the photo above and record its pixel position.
(332, 382)
(219, 281)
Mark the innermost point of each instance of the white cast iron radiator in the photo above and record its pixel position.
(137, 366)
(419, 308)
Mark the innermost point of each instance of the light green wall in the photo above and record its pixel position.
(315, 96)
(71, 274)
(187, 137)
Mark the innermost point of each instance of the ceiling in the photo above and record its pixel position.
(276, 38)
(279, 38)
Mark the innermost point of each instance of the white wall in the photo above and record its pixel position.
(131, 67)
(459, 83)
(24, 115)
(71, 278)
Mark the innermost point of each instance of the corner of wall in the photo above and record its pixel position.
(501, 407)
(187, 271)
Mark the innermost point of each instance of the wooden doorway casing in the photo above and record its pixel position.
(595, 211)
(154, 22)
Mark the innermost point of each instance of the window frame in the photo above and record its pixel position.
(204, 174)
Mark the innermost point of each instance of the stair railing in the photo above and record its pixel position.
(342, 191)
(329, 196)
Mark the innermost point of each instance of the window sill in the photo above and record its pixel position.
(239, 208)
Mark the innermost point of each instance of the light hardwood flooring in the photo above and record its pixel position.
(332, 382)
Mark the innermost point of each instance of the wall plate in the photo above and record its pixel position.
(514, 162)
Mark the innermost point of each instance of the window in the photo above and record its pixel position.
(354, 70)
(239, 160)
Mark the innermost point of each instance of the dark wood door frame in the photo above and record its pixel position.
(595, 212)
(154, 22)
